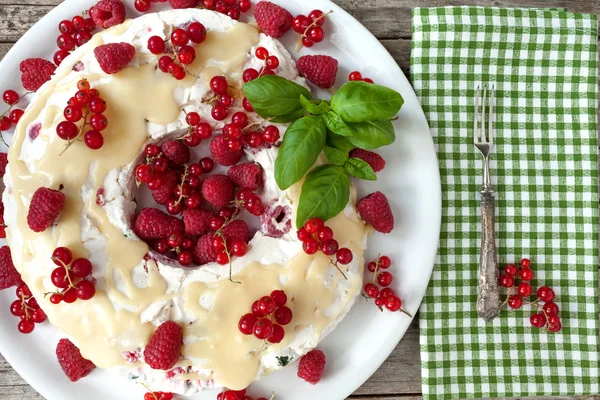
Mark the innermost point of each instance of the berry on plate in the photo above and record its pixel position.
(312, 366)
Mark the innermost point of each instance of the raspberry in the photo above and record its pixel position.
(311, 366)
(376, 211)
(107, 13)
(9, 276)
(204, 252)
(247, 175)
(113, 57)
(222, 154)
(35, 72)
(165, 191)
(177, 152)
(162, 352)
(3, 163)
(373, 159)
(152, 223)
(218, 190)
(272, 19)
(45, 207)
(320, 70)
(183, 3)
(236, 230)
(197, 222)
(70, 360)
(276, 221)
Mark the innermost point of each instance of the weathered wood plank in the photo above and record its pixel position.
(15, 20)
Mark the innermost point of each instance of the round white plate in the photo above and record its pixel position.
(366, 337)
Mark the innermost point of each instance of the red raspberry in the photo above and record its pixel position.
(272, 19)
(204, 252)
(247, 175)
(165, 192)
(70, 360)
(276, 221)
(311, 366)
(177, 152)
(222, 154)
(183, 3)
(373, 159)
(113, 57)
(46, 205)
(9, 276)
(197, 222)
(107, 13)
(218, 190)
(236, 230)
(162, 352)
(35, 72)
(3, 163)
(152, 223)
(320, 70)
(376, 211)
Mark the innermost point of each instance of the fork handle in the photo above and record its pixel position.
(488, 297)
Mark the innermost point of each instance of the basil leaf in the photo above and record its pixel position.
(325, 193)
(336, 124)
(339, 142)
(316, 107)
(372, 134)
(359, 101)
(335, 156)
(360, 169)
(302, 143)
(275, 97)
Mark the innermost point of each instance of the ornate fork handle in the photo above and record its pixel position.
(488, 299)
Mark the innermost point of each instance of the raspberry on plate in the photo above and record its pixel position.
(162, 352)
(152, 223)
(177, 152)
(204, 252)
(107, 13)
(373, 159)
(247, 175)
(311, 366)
(272, 19)
(45, 207)
(236, 230)
(3, 163)
(164, 193)
(376, 211)
(218, 190)
(183, 3)
(320, 70)
(113, 57)
(222, 154)
(35, 72)
(197, 222)
(9, 276)
(70, 360)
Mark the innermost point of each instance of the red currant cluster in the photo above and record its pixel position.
(239, 132)
(197, 130)
(269, 67)
(150, 172)
(2, 224)
(229, 394)
(232, 8)
(310, 28)
(76, 32)
(184, 53)
(269, 314)
(27, 308)
(12, 115)
(250, 201)
(547, 313)
(357, 76)
(219, 98)
(180, 245)
(384, 296)
(85, 103)
(65, 275)
(158, 396)
(315, 236)
(144, 6)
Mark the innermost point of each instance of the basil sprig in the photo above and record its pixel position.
(358, 115)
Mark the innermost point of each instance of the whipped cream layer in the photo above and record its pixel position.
(136, 293)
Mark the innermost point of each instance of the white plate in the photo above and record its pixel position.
(366, 337)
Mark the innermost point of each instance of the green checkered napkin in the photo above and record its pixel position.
(543, 64)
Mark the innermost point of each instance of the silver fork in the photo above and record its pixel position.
(488, 297)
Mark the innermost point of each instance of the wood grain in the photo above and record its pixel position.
(399, 378)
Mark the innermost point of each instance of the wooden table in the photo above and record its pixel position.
(390, 21)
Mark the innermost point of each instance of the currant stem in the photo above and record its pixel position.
(183, 178)
(71, 141)
(335, 264)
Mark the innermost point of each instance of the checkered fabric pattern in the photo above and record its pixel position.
(543, 64)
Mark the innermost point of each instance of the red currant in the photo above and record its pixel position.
(38, 316)
(67, 130)
(272, 62)
(393, 303)
(317, 17)
(526, 274)
(62, 256)
(10, 97)
(372, 266)
(249, 74)
(164, 62)
(510, 269)
(73, 113)
(325, 233)
(344, 256)
(179, 37)
(155, 183)
(355, 76)
(65, 42)
(192, 118)
(175, 239)
(307, 42)
(193, 201)
(554, 324)
(23, 291)
(222, 258)
(70, 296)
(310, 246)
(244, 5)
(143, 173)
(219, 112)
(545, 293)
(66, 26)
(507, 281)
(216, 223)
(186, 54)
(97, 105)
(5, 123)
(524, 289)
(371, 290)
(246, 104)
(266, 305)
(384, 278)
(525, 263)
(81, 267)
(174, 207)
(550, 308)
(238, 248)
(59, 56)
(142, 5)
(515, 301)
(538, 320)
(380, 301)
(219, 85)
(16, 308)
(93, 139)
(185, 258)
(234, 13)
(330, 247)
(59, 278)
(26, 326)
(384, 262)
(254, 139)
(98, 122)
(85, 290)
(279, 297)
(162, 246)
(204, 130)
(300, 23)
(78, 22)
(261, 53)
(263, 328)
(56, 298)
(271, 134)
(82, 37)
(255, 309)
(246, 324)
(303, 234)
(316, 34)
(197, 32)
(156, 45)
(313, 225)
